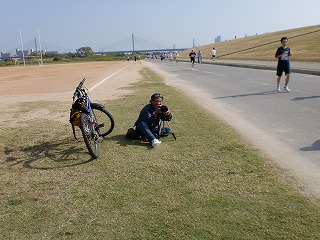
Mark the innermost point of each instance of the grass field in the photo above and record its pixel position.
(304, 43)
(209, 184)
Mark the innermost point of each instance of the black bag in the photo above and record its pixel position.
(133, 134)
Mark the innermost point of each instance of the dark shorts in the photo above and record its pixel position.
(283, 66)
(192, 59)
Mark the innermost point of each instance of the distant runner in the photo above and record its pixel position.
(283, 53)
(192, 56)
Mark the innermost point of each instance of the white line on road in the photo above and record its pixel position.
(218, 74)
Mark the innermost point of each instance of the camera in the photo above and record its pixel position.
(164, 108)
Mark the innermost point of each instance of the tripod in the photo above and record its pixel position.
(165, 131)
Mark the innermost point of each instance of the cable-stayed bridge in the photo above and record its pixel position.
(136, 44)
(127, 45)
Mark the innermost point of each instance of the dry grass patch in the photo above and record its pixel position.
(305, 46)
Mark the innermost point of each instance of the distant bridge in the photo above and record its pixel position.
(143, 51)
(135, 44)
(131, 44)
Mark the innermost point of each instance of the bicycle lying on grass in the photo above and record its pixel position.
(94, 121)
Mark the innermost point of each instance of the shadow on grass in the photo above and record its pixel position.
(123, 141)
(49, 155)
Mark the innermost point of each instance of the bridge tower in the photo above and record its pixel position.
(132, 43)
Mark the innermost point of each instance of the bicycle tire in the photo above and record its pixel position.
(105, 121)
(89, 137)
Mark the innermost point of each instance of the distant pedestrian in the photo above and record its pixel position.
(199, 57)
(213, 54)
(176, 57)
(283, 53)
(192, 56)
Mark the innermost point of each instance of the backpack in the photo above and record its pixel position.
(77, 108)
(75, 118)
(133, 134)
(75, 112)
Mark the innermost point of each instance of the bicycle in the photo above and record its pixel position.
(94, 121)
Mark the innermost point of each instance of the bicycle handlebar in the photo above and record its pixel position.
(79, 91)
(81, 83)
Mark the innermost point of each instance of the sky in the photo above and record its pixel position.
(102, 24)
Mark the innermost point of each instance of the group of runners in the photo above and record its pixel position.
(282, 54)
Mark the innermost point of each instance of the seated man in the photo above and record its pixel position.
(149, 117)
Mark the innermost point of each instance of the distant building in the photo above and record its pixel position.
(5, 55)
(217, 39)
(50, 52)
(25, 52)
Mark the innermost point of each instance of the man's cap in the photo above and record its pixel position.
(156, 95)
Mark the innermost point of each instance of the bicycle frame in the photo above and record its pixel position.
(82, 104)
(82, 93)
(94, 121)
(91, 115)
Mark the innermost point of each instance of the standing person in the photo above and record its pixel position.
(199, 57)
(213, 54)
(283, 53)
(176, 57)
(192, 56)
(149, 118)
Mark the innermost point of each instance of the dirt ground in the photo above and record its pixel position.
(105, 81)
(57, 82)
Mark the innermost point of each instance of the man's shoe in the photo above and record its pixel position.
(155, 142)
(286, 89)
(278, 88)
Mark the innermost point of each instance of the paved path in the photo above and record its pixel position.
(284, 125)
(296, 67)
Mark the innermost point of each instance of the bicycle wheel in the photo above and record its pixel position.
(90, 138)
(105, 122)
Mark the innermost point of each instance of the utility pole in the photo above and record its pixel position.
(41, 61)
(132, 43)
(35, 44)
(24, 62)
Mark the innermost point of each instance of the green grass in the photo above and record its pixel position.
(209, 184)
(304, 43)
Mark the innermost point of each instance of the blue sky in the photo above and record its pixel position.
(70, 24)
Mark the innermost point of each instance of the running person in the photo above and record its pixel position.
(192, 56)
(213, 54)
(283, 53)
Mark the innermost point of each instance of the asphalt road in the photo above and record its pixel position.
(284, 125)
